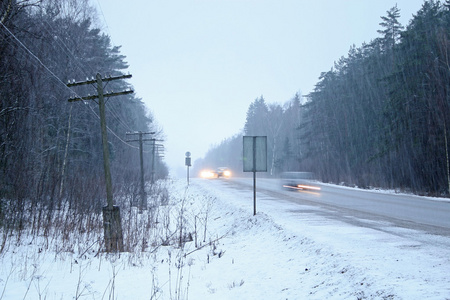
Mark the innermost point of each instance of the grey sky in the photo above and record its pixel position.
(198, 64)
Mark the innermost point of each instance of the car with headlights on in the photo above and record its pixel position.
(299, 181)
(208, 174)
(223, 172)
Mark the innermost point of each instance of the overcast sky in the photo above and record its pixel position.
(198, 64)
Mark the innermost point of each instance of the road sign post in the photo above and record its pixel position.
(187, 162)
(254, 159)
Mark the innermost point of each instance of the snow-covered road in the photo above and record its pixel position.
(340, 258)
(410, 211)
(287, 251)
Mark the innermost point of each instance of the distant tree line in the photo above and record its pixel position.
(50, 149)
(281, 126)
(380, 116)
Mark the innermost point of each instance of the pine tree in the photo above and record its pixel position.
(392, 28)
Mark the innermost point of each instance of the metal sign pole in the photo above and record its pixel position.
(254, 159)
(254, 193)
(254, 175)
(188, 164)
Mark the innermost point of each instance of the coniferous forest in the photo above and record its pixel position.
(378, 118)
(50, 149)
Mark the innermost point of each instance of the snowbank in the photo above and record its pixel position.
(286, 251)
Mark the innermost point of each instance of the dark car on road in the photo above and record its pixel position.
(299, 181)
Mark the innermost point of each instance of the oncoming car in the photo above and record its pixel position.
(220, 172)
(299, 181)
(208, 174)
(223, 172)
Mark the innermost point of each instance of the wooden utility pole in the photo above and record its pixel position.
(156, 148)
(143, 204)
(153, 161)
(111, 214)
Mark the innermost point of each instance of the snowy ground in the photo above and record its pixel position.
(283, 252)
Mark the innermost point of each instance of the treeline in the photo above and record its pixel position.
(50, 149)
(281, 126)
(379, 117)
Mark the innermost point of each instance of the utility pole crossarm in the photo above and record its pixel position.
(104, 95)
(93, 80)
(109, 78)
(139, 132)
(144, 140)
(90, 97)
(88, 81)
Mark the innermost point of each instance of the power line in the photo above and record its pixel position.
(35, 57)
(115, 114)
(106, 23)
(66, 49)
(60, 81)
(111, 109)
(112, 131)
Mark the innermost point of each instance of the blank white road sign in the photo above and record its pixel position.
(255, 153)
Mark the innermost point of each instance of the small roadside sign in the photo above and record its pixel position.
(254, 159)
(187, 162)
(255, 153)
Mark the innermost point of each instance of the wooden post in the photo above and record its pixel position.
(143, 205)
(112, 226)
(153, 161)
(111, 214)
(101, 105)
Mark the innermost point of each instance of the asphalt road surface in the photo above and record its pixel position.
(431, 215)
